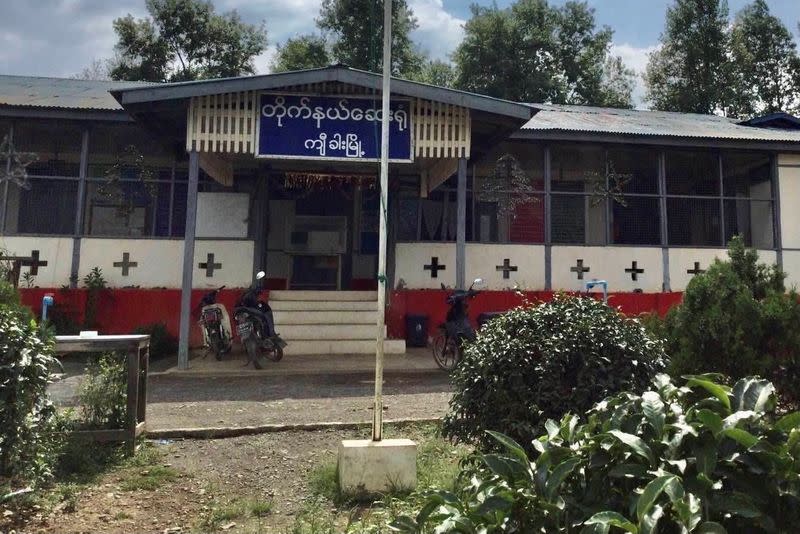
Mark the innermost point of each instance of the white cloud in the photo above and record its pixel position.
(635, 58)
(439, 32)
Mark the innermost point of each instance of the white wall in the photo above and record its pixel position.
(609, 264)
(160, 262)
(56, 251)
(789, 187)
(222, 214)
(483, 260)
(410, 258)
(682, 260)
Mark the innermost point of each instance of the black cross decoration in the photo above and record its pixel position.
(696, 270)
(507, 268)
(34, 263)
(434, 267)
(580, 269)
(210, 266)
(126, 263)
(635, 271)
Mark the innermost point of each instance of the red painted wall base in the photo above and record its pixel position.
(120, 311)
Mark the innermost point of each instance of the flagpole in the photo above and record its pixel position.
(377, 420)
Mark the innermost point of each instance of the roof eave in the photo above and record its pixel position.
(39, 112)
(140, 95)
(660, 140)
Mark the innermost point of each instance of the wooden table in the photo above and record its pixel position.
(137, 352)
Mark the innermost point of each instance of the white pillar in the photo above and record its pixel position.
(188, 261)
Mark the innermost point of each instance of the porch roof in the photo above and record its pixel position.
(132, 96)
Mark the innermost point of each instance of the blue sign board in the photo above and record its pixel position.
(331, 128)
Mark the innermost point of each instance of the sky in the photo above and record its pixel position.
(60, 37)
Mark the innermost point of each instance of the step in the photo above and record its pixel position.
(325, 347)
(326, 296)
(330, 317)
(328, 332)
(323, 305)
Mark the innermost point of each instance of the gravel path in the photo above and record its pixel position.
(183, 402)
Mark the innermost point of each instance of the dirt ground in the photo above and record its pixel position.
(176, 402)
(210, 477)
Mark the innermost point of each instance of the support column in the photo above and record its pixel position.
(662, 206)
(776, 211)
(188, 260)
(83, 170)
(461, 224)
(4, 200)
(548, 222)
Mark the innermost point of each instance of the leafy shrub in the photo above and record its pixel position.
(9, 296)
(737, 319)
(535, 363)
(162, 343)
(103, 392)
(26, 415)
(703, 458)
(95, 283)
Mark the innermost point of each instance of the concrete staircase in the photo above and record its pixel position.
(329, 322)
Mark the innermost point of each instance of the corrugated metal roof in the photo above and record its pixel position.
(61, 93)
(594, 120)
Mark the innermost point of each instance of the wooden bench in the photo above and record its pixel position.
(136, 349)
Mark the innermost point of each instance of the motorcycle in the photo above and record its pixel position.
(215, 324)
(256, 327)
(447, 345)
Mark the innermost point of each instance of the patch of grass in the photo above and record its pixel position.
(120, 516)
(148, 479)
(144, 470)
(237, 509)
(328, 510)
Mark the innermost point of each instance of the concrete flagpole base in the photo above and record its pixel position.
(367, 466)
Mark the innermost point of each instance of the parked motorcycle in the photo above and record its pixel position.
(216, 324)
(447, 345)
(256, 327)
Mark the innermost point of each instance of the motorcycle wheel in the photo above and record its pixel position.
(254, 352)
(275, 353)
(216, 345)
(446, 352)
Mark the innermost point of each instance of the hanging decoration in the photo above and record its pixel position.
(508, 187)
(608, 186)
(14, 164)
(318, 181)
(130, 164)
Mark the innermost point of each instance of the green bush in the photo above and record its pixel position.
(737, 319)
(103, 392)
(162, 343)
(26, 357)
(702, 458)
(535, 363)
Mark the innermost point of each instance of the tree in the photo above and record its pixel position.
(534, 52)
(185, 40)
(690, 71)
(617, 84)
(303, 52)
(98, 69)
(765, 62)
(436, 72)
(355, 28)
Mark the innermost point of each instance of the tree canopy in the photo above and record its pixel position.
(690, 71)
(185, 40)
(535, 52)
(355, 28)
(767, 67)
(304, 52)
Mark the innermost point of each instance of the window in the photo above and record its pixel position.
(509, 195)
(748, 205)
(713, 196)
(578, 214)
(57, 146)
(48, 207)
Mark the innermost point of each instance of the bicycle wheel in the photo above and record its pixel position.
(446, 352)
